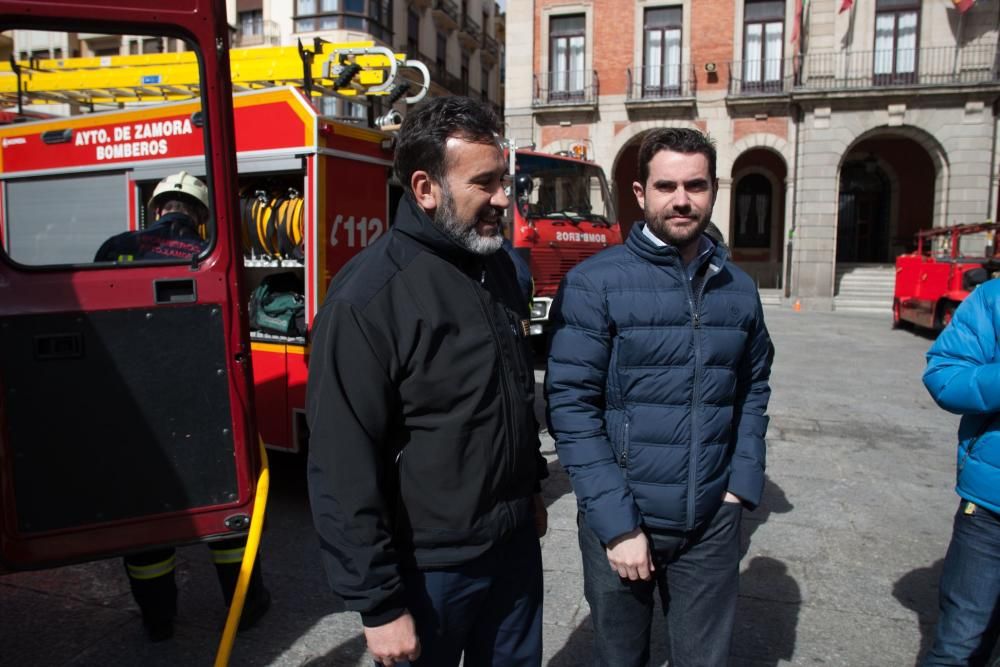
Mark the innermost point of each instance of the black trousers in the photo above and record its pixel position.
(151, 577)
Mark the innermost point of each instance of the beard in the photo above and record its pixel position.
(660, 225)
(464, 232)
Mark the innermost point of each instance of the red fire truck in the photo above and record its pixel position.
(949, 262)
(561, 213)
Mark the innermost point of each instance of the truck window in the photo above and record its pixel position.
(79, 130)
(563, 189)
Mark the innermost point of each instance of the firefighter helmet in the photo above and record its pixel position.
(181, 185)
(523, 184)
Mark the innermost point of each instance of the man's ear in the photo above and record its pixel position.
(640, 194)
(424, 190)
(715, 190)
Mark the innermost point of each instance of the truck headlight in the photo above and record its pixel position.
(539, 310)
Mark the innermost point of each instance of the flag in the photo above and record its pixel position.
(963, 5)
(797, 27)
(846, 4)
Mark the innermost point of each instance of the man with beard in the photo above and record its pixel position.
(657, 387)
(424, 461)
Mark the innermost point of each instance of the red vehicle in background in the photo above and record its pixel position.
(947, 265)
(561, 214)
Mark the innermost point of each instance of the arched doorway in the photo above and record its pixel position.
(887, 195)
(626, 172)
(863, 213)
(757, 215)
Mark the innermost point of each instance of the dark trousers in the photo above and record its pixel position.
(969, 598)
(151, 577)
(697, 575)
(490, 609)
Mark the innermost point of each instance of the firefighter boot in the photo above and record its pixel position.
(151, 577)
(228, 558)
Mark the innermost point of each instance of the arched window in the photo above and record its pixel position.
(752, 215)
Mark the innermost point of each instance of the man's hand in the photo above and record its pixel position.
(541, 516)
(394, 642)
(629, 556)
(731, 498)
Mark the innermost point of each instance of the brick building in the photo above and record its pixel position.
(839, 134)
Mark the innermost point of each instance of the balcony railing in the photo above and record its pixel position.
(446, 14)
(567, 87)
(471, 27)
(454, 84)
(660, 82)
(490, 47)
(860, 70)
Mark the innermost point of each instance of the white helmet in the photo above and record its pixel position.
(181, 183)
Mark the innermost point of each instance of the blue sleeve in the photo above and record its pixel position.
(575, 385)
(746, 478)
(963, 369)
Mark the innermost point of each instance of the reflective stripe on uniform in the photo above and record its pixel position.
(227, 556)
(152, 571)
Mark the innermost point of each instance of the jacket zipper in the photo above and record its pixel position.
(625, 447)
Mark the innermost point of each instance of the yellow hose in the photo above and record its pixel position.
(249, 556)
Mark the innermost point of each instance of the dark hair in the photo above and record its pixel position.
(420, 144)
(679, 140)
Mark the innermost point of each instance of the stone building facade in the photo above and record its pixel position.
(841, 132)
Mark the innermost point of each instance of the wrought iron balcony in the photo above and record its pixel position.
(471, 34)
(446, 14)
(452, 83)
(490, 49)
(659, 83)
(867, 70)
(565, 88)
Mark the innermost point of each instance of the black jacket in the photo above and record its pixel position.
(423, 448)
(172, 236)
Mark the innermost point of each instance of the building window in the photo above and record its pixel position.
(568, 39)
(484, 83)
(371, 16)
(465, 73)
(252, 22)
(486, 25)
(753, 212)
(896, 26)
(152, 45)
(661, 52)
(412, 33)
(441, 54)
(763, 38)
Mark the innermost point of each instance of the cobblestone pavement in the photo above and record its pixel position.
(840, 567)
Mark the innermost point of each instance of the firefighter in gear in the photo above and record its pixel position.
(179, 207)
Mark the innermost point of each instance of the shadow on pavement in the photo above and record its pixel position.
(767, 614)
(917, 590)
(773, 501)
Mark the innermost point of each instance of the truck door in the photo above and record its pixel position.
(125, 395)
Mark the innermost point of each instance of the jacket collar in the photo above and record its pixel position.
(413, 221)
(665, 255)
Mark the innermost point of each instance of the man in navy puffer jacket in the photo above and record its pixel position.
(963, 376)
(658, 388)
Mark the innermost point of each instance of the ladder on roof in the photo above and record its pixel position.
(353, 70)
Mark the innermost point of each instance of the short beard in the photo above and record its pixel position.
(658, 225)
(465, 235)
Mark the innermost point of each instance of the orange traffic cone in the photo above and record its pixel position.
(798, 306)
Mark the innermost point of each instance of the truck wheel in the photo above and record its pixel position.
(896, 322)
(946, 312)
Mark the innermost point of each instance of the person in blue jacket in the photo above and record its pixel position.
(963, 376)
(657, 388)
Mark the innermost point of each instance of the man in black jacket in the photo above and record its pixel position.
(424, 466)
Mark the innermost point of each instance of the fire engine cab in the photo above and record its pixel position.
(561, 213)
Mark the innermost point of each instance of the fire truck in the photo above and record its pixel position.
(561, 213)
(948, 263)
(313, 191)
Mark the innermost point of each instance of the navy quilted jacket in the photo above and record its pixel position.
(658, 392)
